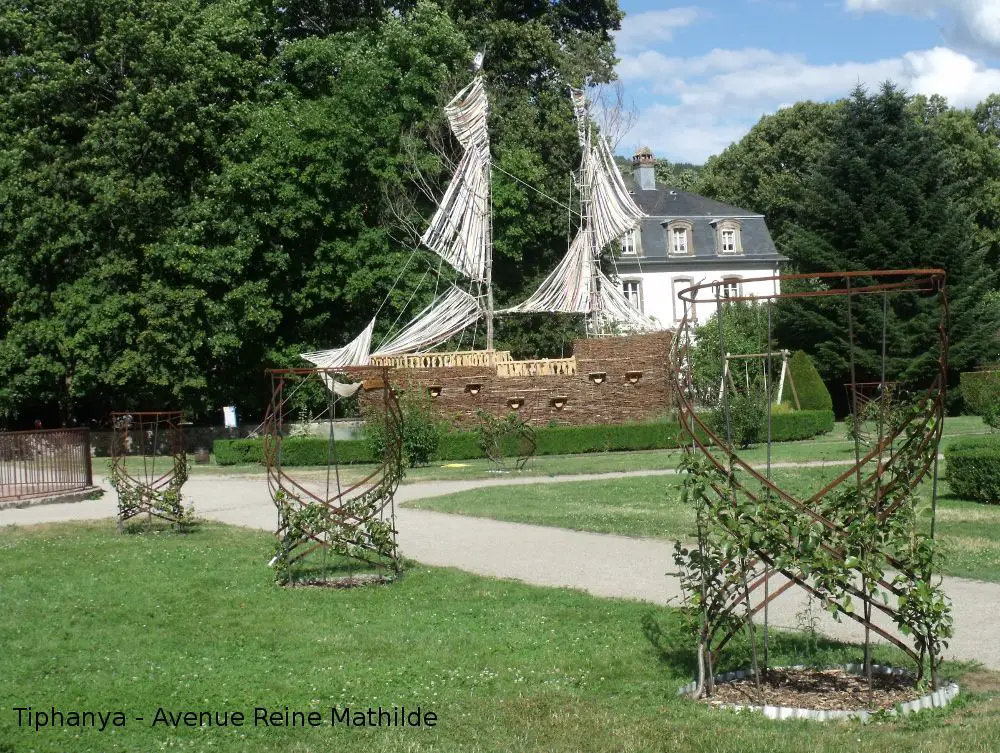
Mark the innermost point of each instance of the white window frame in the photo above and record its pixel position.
(724, 227)
(725, 291)
(679, 233)
(634, 298)
(630, 243)
(675, 227)
(678, 284)
(727, 233)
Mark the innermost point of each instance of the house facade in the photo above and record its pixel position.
(687, 239)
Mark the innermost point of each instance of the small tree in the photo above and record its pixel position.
(746, 419)
(421, 429)
(743, 331)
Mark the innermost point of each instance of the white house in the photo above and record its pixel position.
(688, 239)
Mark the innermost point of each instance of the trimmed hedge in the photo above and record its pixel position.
(813, 394)
(981, 390)
(974, 468)
(237, 451)
(555, 440)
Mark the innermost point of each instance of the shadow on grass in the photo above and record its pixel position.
(675, 646)
(155, 526)
(321, 568)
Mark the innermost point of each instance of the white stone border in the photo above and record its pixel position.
(937, 699)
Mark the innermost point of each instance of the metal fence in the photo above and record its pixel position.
(43, 462)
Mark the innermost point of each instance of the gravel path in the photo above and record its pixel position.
(601, 564)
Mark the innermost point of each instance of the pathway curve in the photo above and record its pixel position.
(602, 564)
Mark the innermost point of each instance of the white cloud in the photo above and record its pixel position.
(640, 30)
(718, 96)
(680, 134)
(971, 24)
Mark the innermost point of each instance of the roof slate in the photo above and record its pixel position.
(665, 204)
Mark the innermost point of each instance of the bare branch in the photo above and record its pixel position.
(614, 113)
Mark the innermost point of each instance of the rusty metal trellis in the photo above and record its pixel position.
(895, 458)
(353, 518)
(149, 465)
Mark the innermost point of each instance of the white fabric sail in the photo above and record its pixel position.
(613, 212)
(355, 353)
(459, 229)
(610, 212)
(617, 312)
(567, 288)
(447, 315)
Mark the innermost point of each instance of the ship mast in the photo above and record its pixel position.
(488, 263)
(593, 251)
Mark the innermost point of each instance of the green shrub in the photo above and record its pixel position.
(813, 394)
(974, 468)
(800, 424)
(238, 451)
(422, 430)
(556, 440)
(747, 419)
(295, 451)
(991, 416)
(981, 391)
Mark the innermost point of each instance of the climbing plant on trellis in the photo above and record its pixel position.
(857, 544)
(507, 440)
(321, 511)
(149, 466)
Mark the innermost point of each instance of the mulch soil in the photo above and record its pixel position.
(826, 689)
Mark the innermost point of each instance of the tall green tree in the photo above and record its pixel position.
(881, 198)
(110, 119)
(194, 190)
(767, 170)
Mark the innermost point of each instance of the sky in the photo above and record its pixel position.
(697, 76)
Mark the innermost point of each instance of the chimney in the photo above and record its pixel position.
(643, 168)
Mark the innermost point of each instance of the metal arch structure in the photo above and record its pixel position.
(356, 519)
(894, 461)
(154, 487)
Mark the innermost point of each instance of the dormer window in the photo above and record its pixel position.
(728, 235)
(679, 241)
(680, 238)
(630, 243)
(729, 241)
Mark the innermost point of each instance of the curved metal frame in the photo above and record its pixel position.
(924, 427)
(148, 492)
(375, 493)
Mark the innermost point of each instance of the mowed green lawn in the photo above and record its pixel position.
(652, 506)
(95, 621)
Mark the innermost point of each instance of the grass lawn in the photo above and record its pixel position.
(651, 506)
(193, 622)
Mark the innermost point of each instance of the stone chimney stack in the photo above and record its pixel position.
(643, 168)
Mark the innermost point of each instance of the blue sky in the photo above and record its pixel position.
(698, 75)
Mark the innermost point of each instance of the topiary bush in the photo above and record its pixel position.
(813, 394)
(981, 393)
(974, 468)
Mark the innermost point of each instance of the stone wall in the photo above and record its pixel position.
(634, 388)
